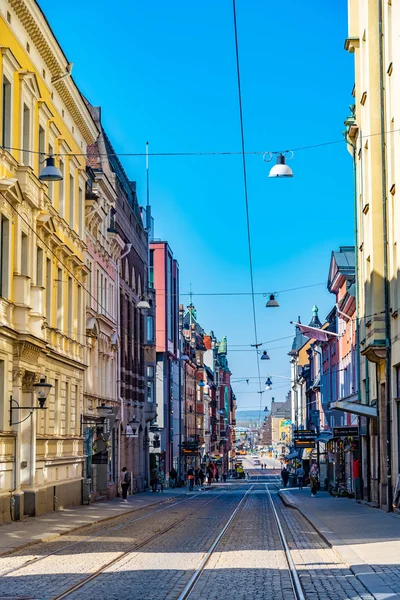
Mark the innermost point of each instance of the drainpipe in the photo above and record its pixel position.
(388, 358)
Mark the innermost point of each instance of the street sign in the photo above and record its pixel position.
(100, 458)
(306, 443)
(299, 433)
(345, 431)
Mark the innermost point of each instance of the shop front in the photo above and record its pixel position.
(343, 460)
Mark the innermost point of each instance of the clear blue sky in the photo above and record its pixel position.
(165, 72)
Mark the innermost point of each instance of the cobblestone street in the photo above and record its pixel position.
(157, 553)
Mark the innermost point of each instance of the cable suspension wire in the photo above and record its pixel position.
(199, 153)
(246, 197)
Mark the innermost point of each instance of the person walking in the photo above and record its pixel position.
(224, 476)
(197, 476)
(125, 478)
(210, 474)
(173, 476)
(161, 480)
(190, 476)
(300, 476)
(285, 476)
(154, 480)
(314, 480)
(201, 476)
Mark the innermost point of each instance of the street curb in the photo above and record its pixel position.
(362, 570)
(79, 527)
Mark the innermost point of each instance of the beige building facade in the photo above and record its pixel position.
(42, 266)
(374, 141)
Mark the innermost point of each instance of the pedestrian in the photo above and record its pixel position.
(173, 476)
(154, 480)
(125, 478)
(285, 476)
(224, 476)
(300, 477)
(216, 475)
(190, 476)
(201, 477)
(161, 480)
(210, 474)
(314, 480)
(197, 476)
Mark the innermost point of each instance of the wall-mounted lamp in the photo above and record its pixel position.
(42, 389)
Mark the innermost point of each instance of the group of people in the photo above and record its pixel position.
(300, 475)
(195, 476)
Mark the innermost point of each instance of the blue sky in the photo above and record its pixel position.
(165, 72)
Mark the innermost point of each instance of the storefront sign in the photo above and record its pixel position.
(345, 432)
(303, 433)
(305, 443)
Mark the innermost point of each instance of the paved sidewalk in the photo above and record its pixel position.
(31, 530)
(366, 539)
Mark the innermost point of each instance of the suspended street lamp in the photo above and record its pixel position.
(265, 356)
(272, 303)
(280, 169)
(268, 384)
(50, 172)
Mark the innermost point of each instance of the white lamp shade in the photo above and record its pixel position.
(280, 169)
(143, 305)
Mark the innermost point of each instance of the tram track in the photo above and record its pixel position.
(137, 547)
(294, 576)
(90, 538)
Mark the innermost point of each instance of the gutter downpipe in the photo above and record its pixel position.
(388, 359)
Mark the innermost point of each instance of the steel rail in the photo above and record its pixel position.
(196, 575)
(80, 584)
(36, 560)
(294, 577)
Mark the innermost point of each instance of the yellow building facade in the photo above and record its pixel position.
(42, 265)
(374, 142)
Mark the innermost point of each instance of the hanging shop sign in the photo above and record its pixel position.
(343, 432)
(100, 458)
(304, 438)
(305, 443)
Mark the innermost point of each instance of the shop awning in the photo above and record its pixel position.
(355, 408)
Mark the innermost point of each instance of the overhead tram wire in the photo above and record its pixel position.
(196, 153)
(246, 197)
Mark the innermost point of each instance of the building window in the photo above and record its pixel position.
(59, 299)
(150, 328)
(61, 191)
(79, 312)
(151, 269)
(49, 286)
(24, 254)
(26, 135)
(71, 201)
(81, 212)
(4, 255)
(70, 307)
(42, 145)
(170, 299)
(50, 183)
(39, 267)
(6, 123)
